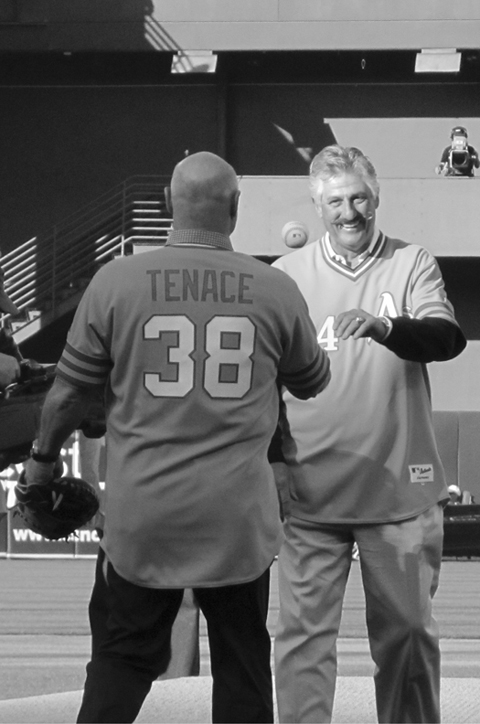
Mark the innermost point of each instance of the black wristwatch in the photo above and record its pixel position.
(39, 458)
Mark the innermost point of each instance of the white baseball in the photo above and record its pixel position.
(295, 234)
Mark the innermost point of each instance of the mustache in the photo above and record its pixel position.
(359, 218)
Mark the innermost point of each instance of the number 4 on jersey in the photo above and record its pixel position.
(326, 336)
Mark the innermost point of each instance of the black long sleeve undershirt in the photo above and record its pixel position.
(425, 340)
(417, 340)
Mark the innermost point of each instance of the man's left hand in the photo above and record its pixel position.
(42, 473)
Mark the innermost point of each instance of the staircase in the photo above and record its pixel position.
(46, 276)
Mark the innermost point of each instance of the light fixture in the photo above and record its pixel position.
(438, 60)
(194, 61)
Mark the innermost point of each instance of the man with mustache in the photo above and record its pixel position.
(362, 464)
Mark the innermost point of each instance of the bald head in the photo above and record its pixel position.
(203, 194)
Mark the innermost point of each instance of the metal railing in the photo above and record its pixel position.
(48, 273)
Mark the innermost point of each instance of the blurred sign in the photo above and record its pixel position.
(17, 540)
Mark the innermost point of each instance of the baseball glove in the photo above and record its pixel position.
(57, 509)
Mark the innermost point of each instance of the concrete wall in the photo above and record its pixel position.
(437, 213)
(69, 145)
(456, 384)
(75, 25)
(310, 24)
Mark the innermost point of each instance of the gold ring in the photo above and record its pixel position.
(359, 319)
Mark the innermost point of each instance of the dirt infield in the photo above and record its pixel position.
(44, 633)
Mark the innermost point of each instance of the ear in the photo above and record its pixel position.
(234, 203)
(168, 198)
(234, 207)
(318, 207)
(377, 202)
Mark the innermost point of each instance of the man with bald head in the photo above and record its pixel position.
(206, 194)
(189, 343)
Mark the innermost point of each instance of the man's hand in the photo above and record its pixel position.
(357, 323)
(57, 509)
(282, 474)
(42, 473)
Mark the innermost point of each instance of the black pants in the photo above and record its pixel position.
(131, 630)
(185, 645)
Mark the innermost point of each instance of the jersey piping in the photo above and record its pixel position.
(362, 268)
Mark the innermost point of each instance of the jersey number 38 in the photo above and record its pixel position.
(227, 370)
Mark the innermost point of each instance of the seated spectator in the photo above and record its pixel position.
(9, 370)
(455, 494)
(458, 159)
(459, 497)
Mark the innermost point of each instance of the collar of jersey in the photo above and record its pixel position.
(365, 259)
(199, 237)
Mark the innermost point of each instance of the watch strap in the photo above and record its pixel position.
(41, 458)
(388, 326)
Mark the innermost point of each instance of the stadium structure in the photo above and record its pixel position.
(101, 99)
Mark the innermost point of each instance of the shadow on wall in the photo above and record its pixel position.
(289, 140)
(104, 25)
